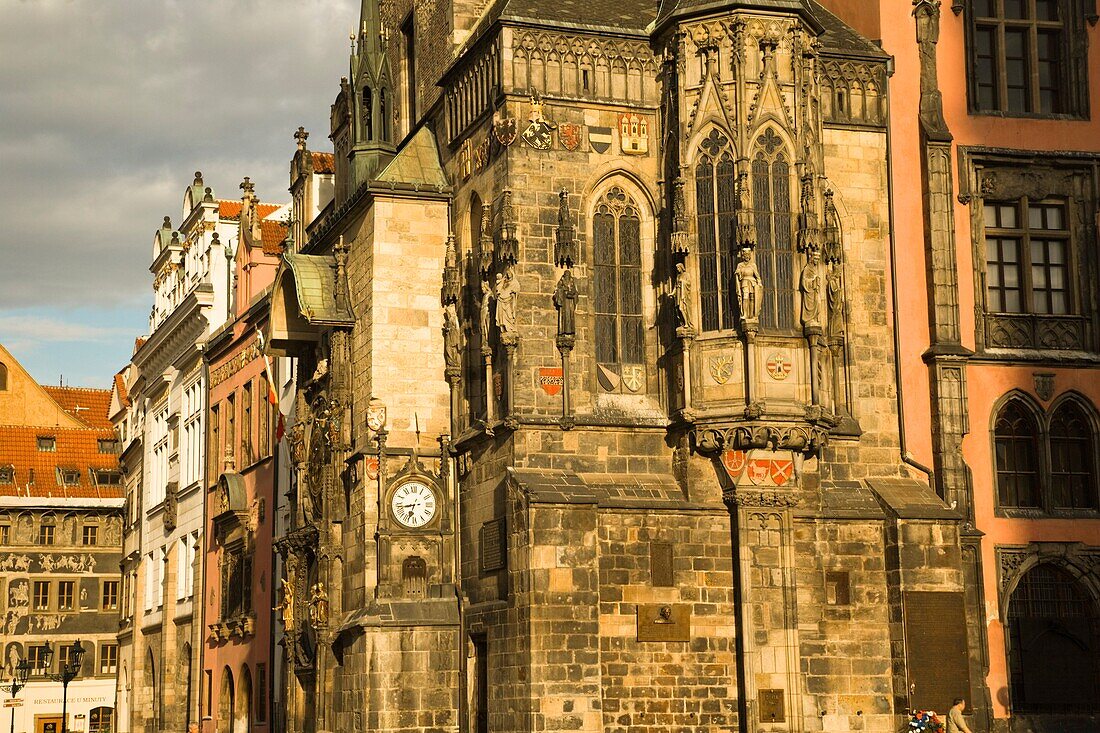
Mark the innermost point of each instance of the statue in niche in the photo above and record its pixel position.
(506, 297)
(750, 286)
(834, 296)
(318, 605)
(452, 335)
(565, 300)
(682, 296)
(809, 282)
(484, 321)
(287, 606)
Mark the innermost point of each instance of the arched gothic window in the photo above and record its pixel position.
(3, 376)
(617, 267)
(368, 113)
(771, 190)
(473, 362)
(383, 117)
(1072, 463)
(715, 207)
(1053, 662)
(1016, 442)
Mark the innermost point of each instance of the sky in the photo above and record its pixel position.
(107, 109)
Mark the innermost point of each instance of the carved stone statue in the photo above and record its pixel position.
(809, 282)
(682, 294)
(318, 605)
(750, 286)
(506, 297)
(296, 442)
(452, 337)
(834, 295)
(565, 300)
(484, 321)
(287, 606)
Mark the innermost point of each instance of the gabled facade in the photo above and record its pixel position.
(194, 294)
(60, 537)
(239, 491)
(597, 421)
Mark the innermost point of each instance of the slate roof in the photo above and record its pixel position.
(90, 406)
(908, 498)
(838, 36)
(416, 164)
(36, 471)
(546, 486)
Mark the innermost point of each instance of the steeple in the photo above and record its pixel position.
(370, 101)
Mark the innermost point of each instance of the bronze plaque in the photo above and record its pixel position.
(664, 622)
(772, 709)
(936, 649)
(660, 564)
(492, 546)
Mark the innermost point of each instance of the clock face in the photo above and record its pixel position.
(413, 504)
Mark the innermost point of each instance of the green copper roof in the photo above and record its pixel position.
(315, 286)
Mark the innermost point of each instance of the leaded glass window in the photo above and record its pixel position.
(617, 270)
(1016, 440)
(771, 192)
(1072, 466)
(715, 207)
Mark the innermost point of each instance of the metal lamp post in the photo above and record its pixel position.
(18, 681)
(70, 668)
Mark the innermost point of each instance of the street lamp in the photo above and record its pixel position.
(18, 681)
(70, 668)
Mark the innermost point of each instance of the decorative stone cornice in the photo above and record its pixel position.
(803, 437)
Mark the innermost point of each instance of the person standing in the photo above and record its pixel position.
(956, 723)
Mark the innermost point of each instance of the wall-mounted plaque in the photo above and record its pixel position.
(770, 704)
(664, 622)
(492, 546)
(936, 649)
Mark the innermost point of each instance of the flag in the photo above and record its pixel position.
(272, 392)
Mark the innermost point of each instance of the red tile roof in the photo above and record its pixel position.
(324, 163)
(139, 342)
(90, 406)
(273, 233)
(36, 471)
(232, 209)
(123, 392)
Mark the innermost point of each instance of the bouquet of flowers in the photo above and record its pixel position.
(924, 721)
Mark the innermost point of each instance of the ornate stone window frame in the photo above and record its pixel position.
(1072, 84)
(1004, 174)
(1043, 469)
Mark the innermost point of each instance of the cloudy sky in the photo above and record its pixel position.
(107, 108)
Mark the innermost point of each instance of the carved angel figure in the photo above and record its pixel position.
(484, 320)
(682, 294)
(750, 287)
(318, 605)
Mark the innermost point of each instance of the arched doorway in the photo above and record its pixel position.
(152, 696)
(226, 707)
(242, 715)
(1053, 649)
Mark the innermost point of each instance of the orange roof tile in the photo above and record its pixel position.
(324, 163)
(232, 209)
(36, 471)
(123, 392)
(273, 233)
(139, 342)
(90, 406)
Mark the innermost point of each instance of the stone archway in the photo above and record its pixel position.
(226, 699)
(1054, 644)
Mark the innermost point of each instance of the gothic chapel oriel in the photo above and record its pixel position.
(596, 422)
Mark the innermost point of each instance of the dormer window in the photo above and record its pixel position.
(7, 474)
(69, 476)
(108, 445)
(47, 443)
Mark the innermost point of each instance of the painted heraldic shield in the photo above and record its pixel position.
(599, 138)
(569, 135)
